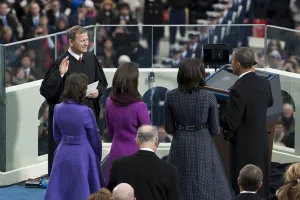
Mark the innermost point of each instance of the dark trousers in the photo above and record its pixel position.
(176, 17)
(150, 34)
(152, 45)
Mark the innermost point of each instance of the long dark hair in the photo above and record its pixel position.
(125, 84)
(75, 88)
(191, 74)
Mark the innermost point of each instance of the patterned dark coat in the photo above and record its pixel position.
(193, 153)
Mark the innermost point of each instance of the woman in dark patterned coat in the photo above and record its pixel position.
(191, 116)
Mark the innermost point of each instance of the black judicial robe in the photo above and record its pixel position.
(53, 85)
(246, 117)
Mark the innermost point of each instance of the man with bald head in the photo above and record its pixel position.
(123, 191)
(151, 177)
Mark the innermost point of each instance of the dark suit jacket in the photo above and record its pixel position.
(150, 177)
(52, 18)
(86, 22)
(28, 26)
(246, 117)
(12, 23)
(247, 196)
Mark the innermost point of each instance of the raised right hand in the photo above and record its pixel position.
(64, 66)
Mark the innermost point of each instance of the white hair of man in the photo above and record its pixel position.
(123, 191)
(146, 134)
(123, 58)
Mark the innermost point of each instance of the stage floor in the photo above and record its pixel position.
(21, 193)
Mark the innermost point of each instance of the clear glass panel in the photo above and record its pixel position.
(154, 97)
(43, 129)
(283, 49)
(286, 128)
(283, 54)
(115, 44)
(173, 43)
(29, 61)
(239, 36)
(62, 43)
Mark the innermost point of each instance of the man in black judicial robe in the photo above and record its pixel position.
(75, 60)
(246, 118)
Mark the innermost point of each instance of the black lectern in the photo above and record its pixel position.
(220, 84)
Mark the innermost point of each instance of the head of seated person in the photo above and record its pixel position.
(103, 194)
(250, 178)
(291, 188)
(147, 137)
(75, 88)
(123, 191)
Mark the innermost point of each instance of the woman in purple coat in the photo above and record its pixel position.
(76, 171)
(125, 113)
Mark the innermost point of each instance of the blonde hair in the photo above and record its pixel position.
(103, 194)
(291, 189)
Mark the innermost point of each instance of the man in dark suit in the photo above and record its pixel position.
(150, 177)
(31, 20)
(246, 118)
(8, 19)
(249, 181)
(80, 18)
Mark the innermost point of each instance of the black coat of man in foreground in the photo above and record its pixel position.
(246, 117)
(75, 60)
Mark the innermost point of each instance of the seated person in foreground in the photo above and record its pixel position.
(249, 181)
(123, 191)
(151, 177)
(291, 188)
(103, 194)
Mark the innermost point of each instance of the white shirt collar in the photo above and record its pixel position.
(243, 74)
(74, 54)
(147, 149)
(252, 192)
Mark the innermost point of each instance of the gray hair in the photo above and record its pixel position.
(123, 191)
(250, 177)
(245, 56)
(71, 32)
(146, 133)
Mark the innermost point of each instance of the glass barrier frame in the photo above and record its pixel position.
(2, 111)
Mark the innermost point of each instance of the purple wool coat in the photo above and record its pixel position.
(76, 171)
(122, 123)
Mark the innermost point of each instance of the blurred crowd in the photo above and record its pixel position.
(146, 46)
(30, 60)
(284, 131)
